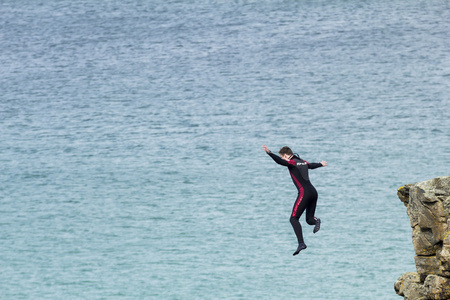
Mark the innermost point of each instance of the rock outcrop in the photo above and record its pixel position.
(428, 208)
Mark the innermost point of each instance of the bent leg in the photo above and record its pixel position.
(311, 209)
(310, 219)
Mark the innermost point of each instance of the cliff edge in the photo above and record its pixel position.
(428, 208)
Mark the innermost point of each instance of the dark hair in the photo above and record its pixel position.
(286, 150)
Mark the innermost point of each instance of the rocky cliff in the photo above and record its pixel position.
(428, 208)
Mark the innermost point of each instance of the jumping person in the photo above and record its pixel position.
(307, 194)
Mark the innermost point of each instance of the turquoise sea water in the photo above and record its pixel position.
(130, 145)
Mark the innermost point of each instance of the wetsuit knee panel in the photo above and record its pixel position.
(311, 221)
(294, 219)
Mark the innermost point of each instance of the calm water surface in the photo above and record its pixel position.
(131, 131)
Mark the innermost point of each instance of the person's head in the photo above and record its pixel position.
(286, 153)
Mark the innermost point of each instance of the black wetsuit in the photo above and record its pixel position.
(307, 194)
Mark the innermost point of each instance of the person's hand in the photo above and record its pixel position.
(265, 148)
(324, 163)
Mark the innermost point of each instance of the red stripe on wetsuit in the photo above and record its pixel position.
(300, 188)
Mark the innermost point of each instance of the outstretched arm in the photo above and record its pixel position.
(275, 157)
(317, 165)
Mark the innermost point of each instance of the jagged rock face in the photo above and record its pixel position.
(428, 208)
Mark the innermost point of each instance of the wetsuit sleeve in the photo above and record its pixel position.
(314, 165)
(278, 159)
